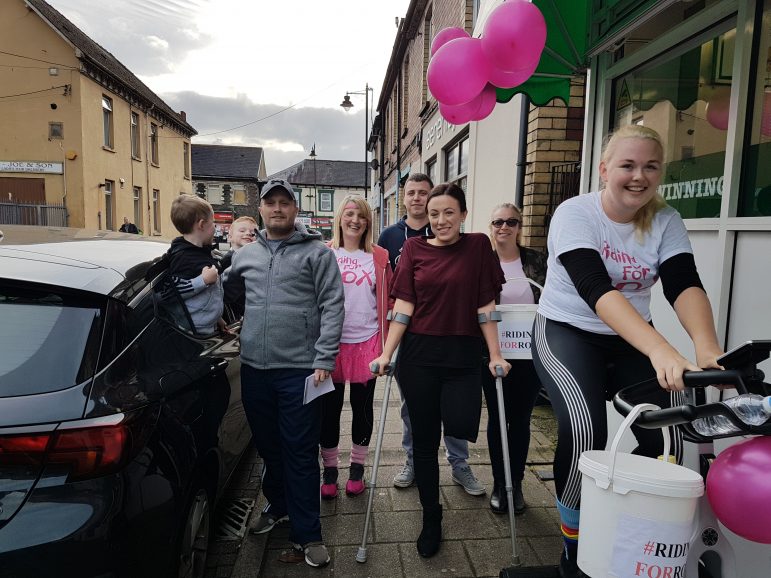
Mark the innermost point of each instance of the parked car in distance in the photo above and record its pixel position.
(119, 427)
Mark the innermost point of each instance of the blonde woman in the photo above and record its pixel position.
(521, 385)
(593, 333)
(366, 276)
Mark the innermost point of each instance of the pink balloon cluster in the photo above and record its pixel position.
(464, 72)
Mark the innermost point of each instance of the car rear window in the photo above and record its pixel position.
(48, 340)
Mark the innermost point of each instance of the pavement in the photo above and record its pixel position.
(476, 542)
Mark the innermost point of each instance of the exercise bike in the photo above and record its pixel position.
(715, 551)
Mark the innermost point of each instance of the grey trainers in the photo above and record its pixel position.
(316, 554)
(465, 477)
(265, 523)
(406, 477)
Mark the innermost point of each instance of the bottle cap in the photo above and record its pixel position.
(766, 405)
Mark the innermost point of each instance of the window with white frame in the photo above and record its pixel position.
(138, 206)
(153, 143)
(456, 163)
(186, 158)
(107, 121)
(109, 208)
(214, 193)
(135, 135)
(431, 169)
(326, 200)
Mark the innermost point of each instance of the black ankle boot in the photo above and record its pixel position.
(519, 498)
(431, 535)
(498, 501)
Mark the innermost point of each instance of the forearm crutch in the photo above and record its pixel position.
(361, 555)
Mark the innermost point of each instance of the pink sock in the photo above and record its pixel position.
(329, 456)
(358, 454)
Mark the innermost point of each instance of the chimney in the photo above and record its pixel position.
(183, 115)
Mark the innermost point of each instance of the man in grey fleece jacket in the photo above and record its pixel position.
(292, 325)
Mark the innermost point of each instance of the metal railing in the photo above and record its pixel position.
(48, 215)
(565, 183)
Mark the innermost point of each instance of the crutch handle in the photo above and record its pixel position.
(498, 371)
(375, 368)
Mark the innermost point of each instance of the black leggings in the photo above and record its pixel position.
(436, 396)
(581, 370)
(520, 390)
(360, 397)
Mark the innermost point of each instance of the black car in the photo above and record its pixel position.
(119, 426)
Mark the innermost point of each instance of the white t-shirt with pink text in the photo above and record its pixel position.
(358, 272)
(580, 223)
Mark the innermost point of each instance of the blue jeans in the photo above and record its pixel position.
(455, 449)
(286, 434)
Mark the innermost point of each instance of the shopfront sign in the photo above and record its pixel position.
(437, 132)
(31, 167)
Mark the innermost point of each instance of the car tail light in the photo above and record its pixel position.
(89, 449)
(23, 450)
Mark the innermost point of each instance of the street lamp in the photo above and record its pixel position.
(347, 104)
(312, 155)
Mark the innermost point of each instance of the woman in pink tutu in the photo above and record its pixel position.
(366, 279)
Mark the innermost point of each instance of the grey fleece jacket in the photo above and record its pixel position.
(294, 302)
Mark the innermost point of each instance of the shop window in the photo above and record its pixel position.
(755, 192)
(431, 169)
(157, 211)
(684, 97)
(456, 163)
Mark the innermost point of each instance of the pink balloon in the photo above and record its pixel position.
(458, 71)
(487, 101)
(503, 79)
(717, 111)
(514, 35)
(739, 489)
(475, 109)
(765, 118)
(445, 35)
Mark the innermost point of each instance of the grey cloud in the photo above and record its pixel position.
(338, 135)
(148, 36)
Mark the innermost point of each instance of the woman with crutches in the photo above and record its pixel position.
(521, 385)
(445, 289)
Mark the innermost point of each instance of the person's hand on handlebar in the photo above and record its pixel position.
(505, 365)
(706, 356)
(669, 366)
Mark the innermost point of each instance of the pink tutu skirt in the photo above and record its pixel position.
(353, 361)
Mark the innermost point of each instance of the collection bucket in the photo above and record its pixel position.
(516, 326)
(637, 513)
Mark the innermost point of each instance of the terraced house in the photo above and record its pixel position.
(83, 142)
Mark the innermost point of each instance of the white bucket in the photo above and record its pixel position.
(637, 513)
(516, 326)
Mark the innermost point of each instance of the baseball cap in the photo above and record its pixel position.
(280, 184)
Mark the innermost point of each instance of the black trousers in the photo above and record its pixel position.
(581, 370)
(520, 391)
(436, 396)
(360, 397)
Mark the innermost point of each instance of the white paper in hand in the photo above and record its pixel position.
(312, 391)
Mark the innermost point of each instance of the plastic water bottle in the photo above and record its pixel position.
(751, 408)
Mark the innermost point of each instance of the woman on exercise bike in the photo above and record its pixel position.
(593, 333)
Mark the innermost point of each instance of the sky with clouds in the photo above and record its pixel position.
(229, 63)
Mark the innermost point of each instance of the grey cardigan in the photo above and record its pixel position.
(294, 302)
